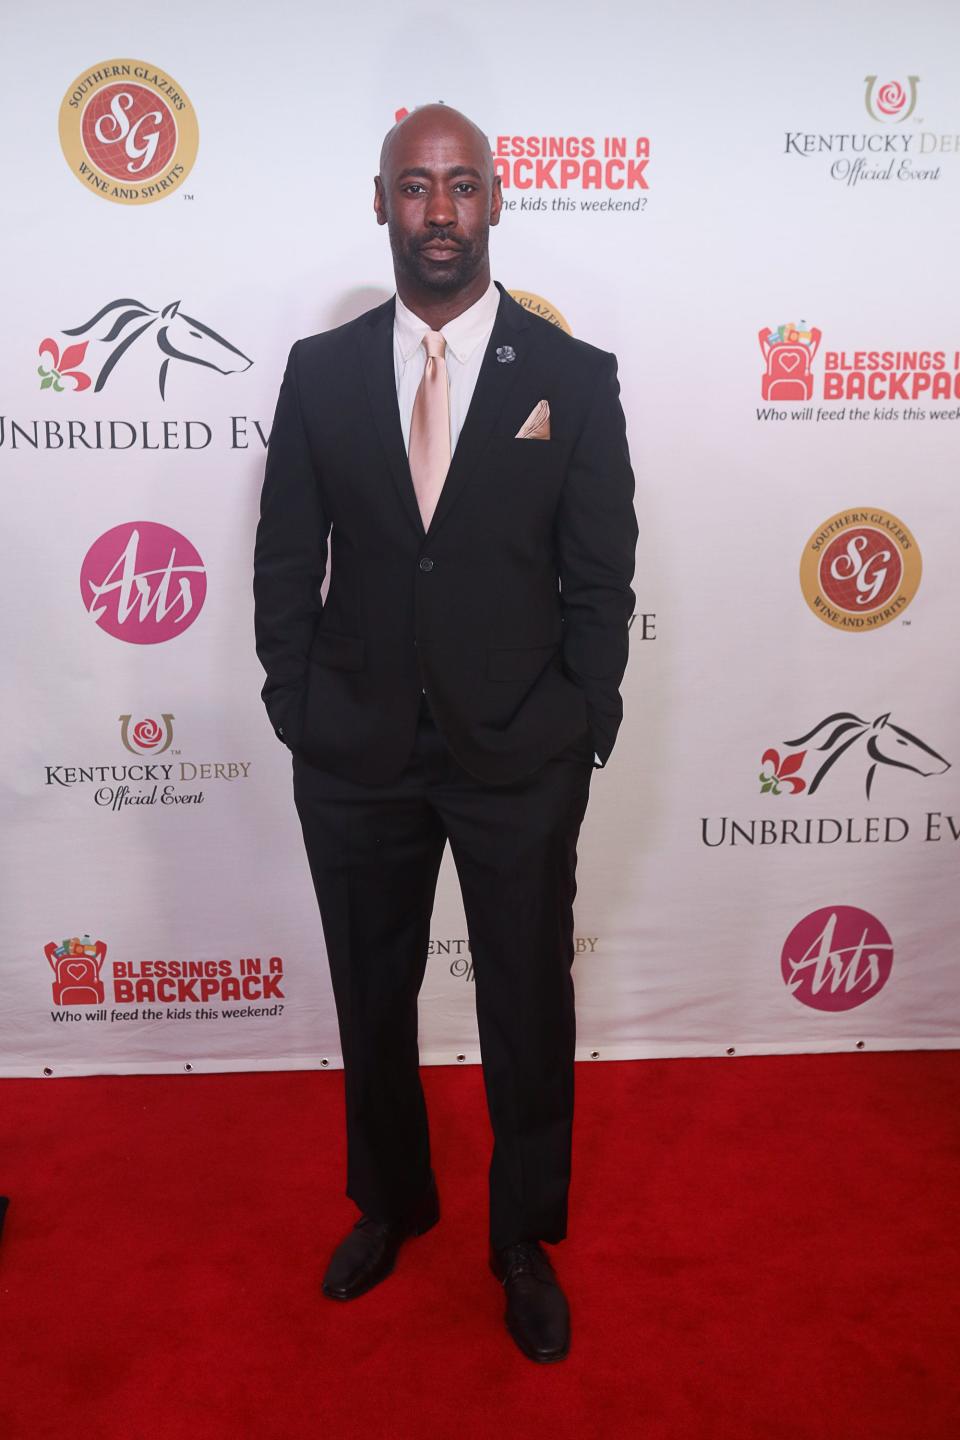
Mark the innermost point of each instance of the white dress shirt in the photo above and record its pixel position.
(466, 338)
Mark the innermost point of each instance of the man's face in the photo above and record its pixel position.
(436, 198)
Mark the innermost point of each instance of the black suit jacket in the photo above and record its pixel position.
(511, 610)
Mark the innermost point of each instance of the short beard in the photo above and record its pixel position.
(443, 280)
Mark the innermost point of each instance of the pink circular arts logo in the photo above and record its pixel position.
(836, 958)
(143, 582)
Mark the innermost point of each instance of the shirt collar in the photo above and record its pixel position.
(462, 334)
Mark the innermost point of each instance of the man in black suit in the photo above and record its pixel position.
(465, 466)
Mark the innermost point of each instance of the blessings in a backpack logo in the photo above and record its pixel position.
(899, 382)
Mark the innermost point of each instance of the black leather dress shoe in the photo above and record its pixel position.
(537, 1316)
(369, 1252)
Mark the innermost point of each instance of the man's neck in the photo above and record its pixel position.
(439, 310)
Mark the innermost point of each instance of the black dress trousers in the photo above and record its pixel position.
(374, 854)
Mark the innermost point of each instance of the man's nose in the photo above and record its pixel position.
(440, 210)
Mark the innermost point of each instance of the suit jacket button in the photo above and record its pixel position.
(426, 564)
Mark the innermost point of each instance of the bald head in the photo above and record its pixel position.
(428, 124)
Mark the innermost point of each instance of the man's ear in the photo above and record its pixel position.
(496, 200)
(379, 200)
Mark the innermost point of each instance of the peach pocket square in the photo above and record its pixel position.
(537, 424)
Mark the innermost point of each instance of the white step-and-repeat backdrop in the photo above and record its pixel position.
(757, 211)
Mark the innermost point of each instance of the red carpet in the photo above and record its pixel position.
(758, 1248)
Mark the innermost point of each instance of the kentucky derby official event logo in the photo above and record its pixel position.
(836, 958)
(128, 131)
(171, 335)
(148, 783)
(538, 306)
(461, 965)
(860, 569)
(141, 985)
(890, 102)
(894, 150)
(143, 582)
(146, 737)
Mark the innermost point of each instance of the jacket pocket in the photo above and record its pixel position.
(526, 450)
(518, 665)
(339, 652)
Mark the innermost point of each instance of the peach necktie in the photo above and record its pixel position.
(429, 450)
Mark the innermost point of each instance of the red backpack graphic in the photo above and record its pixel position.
(76, 965)
(787, 375)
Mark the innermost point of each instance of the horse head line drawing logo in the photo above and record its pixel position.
(178, 336)
(886, 744)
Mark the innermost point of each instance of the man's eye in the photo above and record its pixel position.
(465, 185)
(408, 188)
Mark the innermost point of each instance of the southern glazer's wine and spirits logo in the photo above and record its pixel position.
(836, 958)
(79, 979)
(895, 148)
(564, 172)
(143, 582)
(128, 131)
(538, 306)
(860, 569)
(864, 745)
(883, 376)
(170, 335)
(149, 780)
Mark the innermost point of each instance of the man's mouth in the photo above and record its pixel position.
(440, 247)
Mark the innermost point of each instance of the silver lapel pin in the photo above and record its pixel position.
(506, 353)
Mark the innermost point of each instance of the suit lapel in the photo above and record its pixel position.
(494, 383)
(376, 345)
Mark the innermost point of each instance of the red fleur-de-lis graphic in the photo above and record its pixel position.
(62, 366)
(784, 771)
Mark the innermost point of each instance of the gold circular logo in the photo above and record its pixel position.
(540, 307)
(860, 569)
(128, 132)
